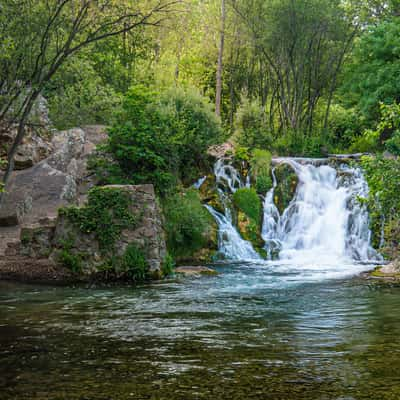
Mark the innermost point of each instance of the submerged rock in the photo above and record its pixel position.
(195, 271)
(388, 272)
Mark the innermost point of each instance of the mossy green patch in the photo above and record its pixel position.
(188, 225)
(286, 186)
(105, 215)
(261, 170)
(247, 200)
(249, 215)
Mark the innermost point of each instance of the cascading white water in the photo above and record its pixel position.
(230, 243)
(324, 222)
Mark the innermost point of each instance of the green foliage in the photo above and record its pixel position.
(132, 264)
(242, 153)
(261, 170)
(168, 266)
(345, 126)
(383, 177)
(247, 200)
(250, 128)
(71, 261)
(373, 76)
(77, 96)
(387, 132)
(162, 138)
(105, 215)
(248, 206)
(187, 223)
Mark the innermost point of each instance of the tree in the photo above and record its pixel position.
(218, 89)
(40, 36)
(302, 47)
(373, 76)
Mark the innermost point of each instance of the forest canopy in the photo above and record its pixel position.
(298, 78)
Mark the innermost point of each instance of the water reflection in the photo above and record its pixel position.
(252, 332)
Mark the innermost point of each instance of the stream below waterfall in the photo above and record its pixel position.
(253, 332)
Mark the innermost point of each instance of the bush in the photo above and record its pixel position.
(387, 132)
(250, 125)
(261, 170)
(187, 223)
(132, 264)
(344, 125)
(70, 260)
(247, 200)
(168, 266)
(383, 177)
(162, 138)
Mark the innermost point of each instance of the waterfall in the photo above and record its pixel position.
(231, 244)
(325, 222)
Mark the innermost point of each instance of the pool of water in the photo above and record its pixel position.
(252, 332)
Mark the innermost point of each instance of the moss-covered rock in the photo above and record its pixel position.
(209, 194)
(261, 171)
(118, 233)
(389, 272)
(248, 213)
(287, 181)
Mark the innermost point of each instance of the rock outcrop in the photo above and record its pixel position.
(146, 234)
(30, 227)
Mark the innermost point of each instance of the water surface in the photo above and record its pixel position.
(253, 332)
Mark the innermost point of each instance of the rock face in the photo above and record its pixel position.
(147, 235)
(30, 227)
(287, 181)
(37, 192)
(36, 144)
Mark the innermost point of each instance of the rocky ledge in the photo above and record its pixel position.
(389, 272)
(195, 271)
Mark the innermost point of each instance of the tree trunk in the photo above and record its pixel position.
(17, 141)
(218, 88)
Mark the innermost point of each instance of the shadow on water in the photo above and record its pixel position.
(253, 332)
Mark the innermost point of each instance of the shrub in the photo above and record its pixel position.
(261, 170)
(250, 125)
(383, 177)
(247, 200)
(187, 223)
(132, 264)
(162, 138)
(168, 266)
(71, 261)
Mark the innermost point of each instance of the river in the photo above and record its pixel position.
(255, 331)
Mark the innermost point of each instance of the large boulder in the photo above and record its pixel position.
(146, 234)
(60, 179)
